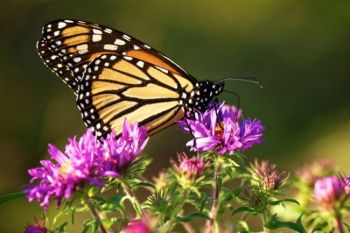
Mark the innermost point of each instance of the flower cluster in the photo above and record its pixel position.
(85, 161)
(221, 129)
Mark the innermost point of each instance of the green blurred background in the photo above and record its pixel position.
(299, 50)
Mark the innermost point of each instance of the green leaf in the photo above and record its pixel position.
(277, 202)
(108, 222)
(244, 209)
(274, 223)
(90, 224)
(5, 198)
(61, 228)
(145, 184)
(191, 216)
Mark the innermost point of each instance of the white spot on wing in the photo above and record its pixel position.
(140, 64)
(110, 47)
(61, 25)
(96, 31)
(77, 59)
(119, 42)
(96, 38)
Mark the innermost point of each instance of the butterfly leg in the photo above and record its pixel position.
(218, 116)
(191, 132)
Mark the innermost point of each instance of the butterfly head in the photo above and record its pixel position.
(201, 96)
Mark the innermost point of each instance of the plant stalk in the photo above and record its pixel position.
(133, 199)
(94, 213)
(214, 208)
(339, 224)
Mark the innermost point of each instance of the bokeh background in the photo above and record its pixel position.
(299, 50)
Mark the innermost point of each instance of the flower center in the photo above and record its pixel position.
(219, 129)
(66, 167)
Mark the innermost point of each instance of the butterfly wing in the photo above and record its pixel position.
(68, 46)
(116, 87)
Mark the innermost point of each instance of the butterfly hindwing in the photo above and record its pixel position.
(116, 87)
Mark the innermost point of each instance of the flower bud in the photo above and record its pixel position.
(328, 190)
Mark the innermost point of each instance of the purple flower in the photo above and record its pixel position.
(118, 154)
(85, 161)
(38, 227)
(220, 129)
(329, 190)
(190, 167)
(346, 182)
(137, 226)
(35, 229)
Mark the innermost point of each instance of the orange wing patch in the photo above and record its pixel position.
(75, 30)
(151, 58)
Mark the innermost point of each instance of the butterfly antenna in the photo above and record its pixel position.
(238, 100)
(243, 79)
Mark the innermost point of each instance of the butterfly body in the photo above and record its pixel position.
(116, 76)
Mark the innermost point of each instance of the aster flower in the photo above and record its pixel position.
(221, 129)
(35, 229)
(346, 181)
(65, 172)
(137, 226)
(190, 167)
(329, 190)
(85, 161)
(118, 154)
(268, 176)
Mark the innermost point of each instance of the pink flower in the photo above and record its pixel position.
(191, 167)
(329, 190)
(137, 226)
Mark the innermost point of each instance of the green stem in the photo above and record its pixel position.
(94, 212)
(171, 223)
(264, 218)
(133, 199)
(215, 204)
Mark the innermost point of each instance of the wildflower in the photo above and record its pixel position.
(35, 229)
(329, 190)
(268, 176)
(65, 172)
(346, 181)
(221, 129)
(38, 227)
(190, 167)
(85, 161)
(137, 226)
(318, 168)
(119, 153)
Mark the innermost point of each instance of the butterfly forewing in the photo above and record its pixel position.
(74, 44)
(118, 87)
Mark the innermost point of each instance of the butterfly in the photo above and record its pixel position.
(116, 76)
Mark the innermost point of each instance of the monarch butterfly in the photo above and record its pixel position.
(115, 76)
